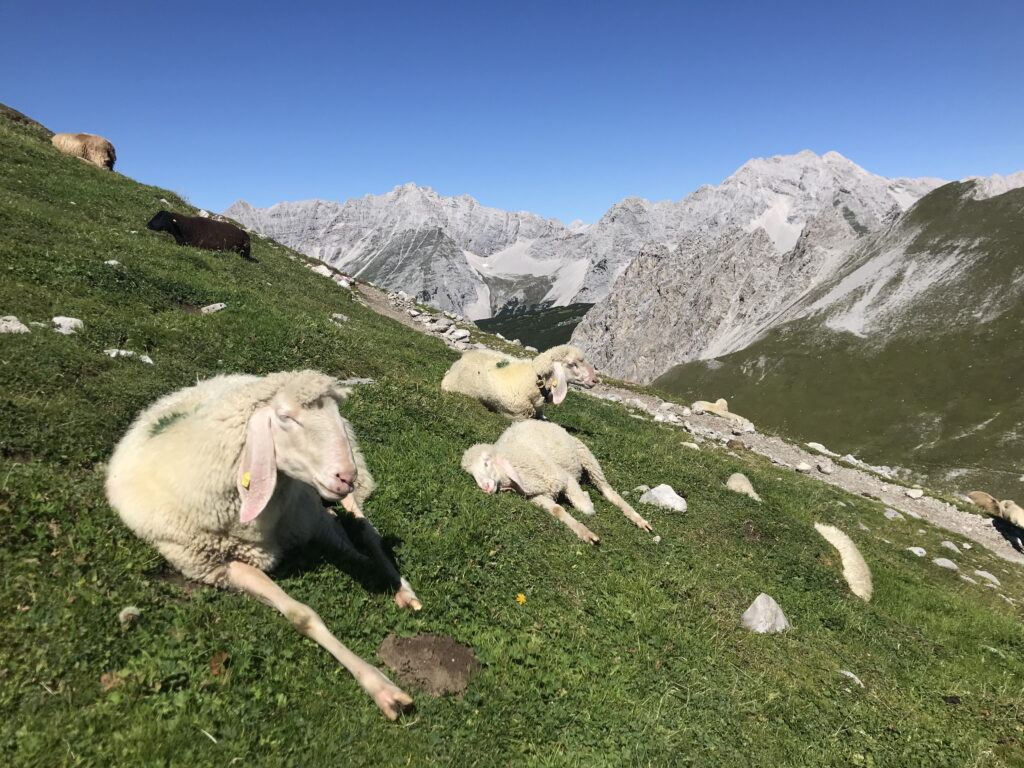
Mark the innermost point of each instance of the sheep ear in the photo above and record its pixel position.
(257, 474)
(511, 473)
(340, 393)
(559, 384)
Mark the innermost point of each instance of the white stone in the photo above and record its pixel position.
(146, 359)
(914, 493)
(321, 269)
(460, 334)
(203, 213)
(892, 514)
(517, 342)
(642, 489)
(859, 524)
(803, 467)
(11, 324)
(66, 325)
(127, 353)
(656, 539)
(919, 551)
(209, 309)
(765, 615)
(968, 579)
(989, 576)
(821, 449)
(694, 446)
(414, 313)
(663, 496)
(112, 262)
(530, 349)
(950, 545)
(943, 562)
(964, 545)
(852, 676)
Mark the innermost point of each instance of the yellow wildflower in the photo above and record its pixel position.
(520, 598)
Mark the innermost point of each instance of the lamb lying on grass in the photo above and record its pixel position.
(225, 476)
(542, 461)
(519, 388)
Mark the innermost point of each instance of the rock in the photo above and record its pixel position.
(950, 545)
(694, 446)
(209, 309)
(11, 324)
(414, 313)
(337, 318)
(656, 539)
(734, 444)
(964, 545)
(914, 493)
(852, 676)
(859, 524)
(112, 262)
(919, 551)
(942, 562)
(530, 349)
(739, 483)
(821, 449)
(402, 296)
(825, 468)
(203, 214)
(517, 342)
(663, 496)
(803, 467)
(66, 325)
(459, 335)
(127, 353)
(892, 514)
(765, 615)
(968, 579)
(642, 489)
(989, 576)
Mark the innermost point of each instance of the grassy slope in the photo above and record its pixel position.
(630, 654)
(541, 329)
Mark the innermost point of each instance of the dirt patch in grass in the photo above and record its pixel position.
(436, 663)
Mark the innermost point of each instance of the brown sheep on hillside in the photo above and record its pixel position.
(86, 146)
(203, 233)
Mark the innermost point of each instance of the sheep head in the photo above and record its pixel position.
(306, 439)
(565, 364)
(491, 470)
(162, 221)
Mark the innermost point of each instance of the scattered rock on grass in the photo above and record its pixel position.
(821, 449)
(209, 309)
(943, 562)
(892, 514)
(765, 615)
(127, 353)
(66, 325)
(339, 319)
(950, 545)
(694, 446)
(919, 551)
(803, 467)
(989, 576)
(436, 663)
(663, 496)
(459, 335)
(825, 468)
(11, 324)
(914, 493)
(852, 676)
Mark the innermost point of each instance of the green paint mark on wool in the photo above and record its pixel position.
(164, 422)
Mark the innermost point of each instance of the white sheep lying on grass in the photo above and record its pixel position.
(719, 408)
(855, 568)
(542, 461)
(519, 388)
(225, 476)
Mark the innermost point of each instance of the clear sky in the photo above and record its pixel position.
(561, 108)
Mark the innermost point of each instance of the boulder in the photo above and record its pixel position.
(765, 615)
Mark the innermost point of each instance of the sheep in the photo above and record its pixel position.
(1006, 509)
(224, 477)
(718, 408)
(519, 388)
(203, 233)
(86, 146)
(542, 461)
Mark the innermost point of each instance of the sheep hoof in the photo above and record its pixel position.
(590, 537)
(406, 598)
(643, 524)
(391, 699)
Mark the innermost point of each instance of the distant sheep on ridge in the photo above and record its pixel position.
(86, 146)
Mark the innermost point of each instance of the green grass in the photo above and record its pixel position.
(630, 654)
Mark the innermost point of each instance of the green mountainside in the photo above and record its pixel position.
(933, 378)
(627, 654)
(542, 328)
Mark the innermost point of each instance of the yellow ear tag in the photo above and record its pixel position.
(245, 480)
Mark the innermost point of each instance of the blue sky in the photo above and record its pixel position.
(561, 108)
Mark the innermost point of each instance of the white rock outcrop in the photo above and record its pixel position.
(765, 615)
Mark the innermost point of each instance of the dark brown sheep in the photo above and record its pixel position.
(202, 233)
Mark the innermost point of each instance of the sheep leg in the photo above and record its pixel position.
(548, 503)
(389, 697)
(578, 497)
(404, 597)
(609, 493)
